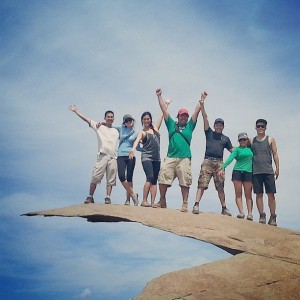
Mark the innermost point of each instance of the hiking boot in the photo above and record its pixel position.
(162, 203)
(135, 199)
(107, 200)
(195, 209)
(241, 216)
(272, 220)
(184, 207)
(226, 212)
(127, 202)
(250, 217)
(262, 218)
(89, 200)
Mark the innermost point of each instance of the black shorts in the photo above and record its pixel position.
(241, 176)
(261, 180)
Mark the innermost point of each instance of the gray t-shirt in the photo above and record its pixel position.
(216, 143)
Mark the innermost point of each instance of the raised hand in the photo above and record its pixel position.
(158, 92)
(203, 96)
(73, 108)
(168, 101)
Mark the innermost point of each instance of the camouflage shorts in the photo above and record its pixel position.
(209, 169)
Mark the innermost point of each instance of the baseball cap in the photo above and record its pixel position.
(219, 120)
(127, 116)
(242, 135)
(182, 111)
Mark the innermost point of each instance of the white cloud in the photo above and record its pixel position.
(85, 294)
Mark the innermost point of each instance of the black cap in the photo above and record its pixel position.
(219, 120)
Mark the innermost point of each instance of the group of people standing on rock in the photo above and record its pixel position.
(116, 154)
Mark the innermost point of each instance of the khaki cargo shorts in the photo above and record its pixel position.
(209, 169)
(176, 167)
(105, 165)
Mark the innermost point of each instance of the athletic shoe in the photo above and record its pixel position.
(272, 220)
(250, 217)
(184, 207)
(135, 199)
(262, 218)
(241, 216)
(127, 202)
(162, 203)
(226, 212)
(107, 200)
(89, 200)
(195, 209)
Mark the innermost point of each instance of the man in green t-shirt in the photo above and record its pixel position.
(178, 160)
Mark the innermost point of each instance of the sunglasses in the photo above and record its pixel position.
(260, 126)
(242, 140)
(128, 120)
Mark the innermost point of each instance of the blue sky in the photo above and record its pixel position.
(105, 55)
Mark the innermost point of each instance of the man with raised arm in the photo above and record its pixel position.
(178, 160)
(216, 142)
(108, 138)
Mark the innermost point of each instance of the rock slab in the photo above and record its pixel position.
(265, 265)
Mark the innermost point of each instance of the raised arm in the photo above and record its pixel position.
(74, 109)
(275, 156)
(162, 104)
(140, 136)
(160, 119)
(198, 107)
(204, 116)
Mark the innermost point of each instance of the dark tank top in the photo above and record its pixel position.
(151, 147)
(262, 159)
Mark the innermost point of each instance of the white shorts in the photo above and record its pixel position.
(108, 165)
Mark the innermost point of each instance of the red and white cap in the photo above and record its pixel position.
(182, 111)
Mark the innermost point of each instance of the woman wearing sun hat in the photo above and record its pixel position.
(241, 174)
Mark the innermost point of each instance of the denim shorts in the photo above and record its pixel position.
(241, 176)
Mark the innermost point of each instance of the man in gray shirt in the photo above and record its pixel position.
(264, 147)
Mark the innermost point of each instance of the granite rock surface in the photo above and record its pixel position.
(265, 265)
